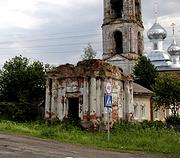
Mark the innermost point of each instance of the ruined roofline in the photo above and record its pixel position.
(88, 68)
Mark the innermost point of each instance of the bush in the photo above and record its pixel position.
(173, 120)
(48, 133)
(153, 124)
(22, 88)
(131, 126)
(21, 111)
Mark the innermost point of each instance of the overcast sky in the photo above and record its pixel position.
(56, 31)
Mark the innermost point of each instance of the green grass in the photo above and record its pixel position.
(125, 137)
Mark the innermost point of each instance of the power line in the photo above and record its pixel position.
(65, 32)
(50, 52)
(59, 38)
(55, 38)
(51, 46)
(52, 34)
(68, 37)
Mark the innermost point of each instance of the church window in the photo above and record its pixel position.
(118, 37)
(139, 44)
(156, 114)
(174, 61)
(155, 46)
(143, 112)
(164, 114)
(117, 8)
(135, 110)
(137, 9)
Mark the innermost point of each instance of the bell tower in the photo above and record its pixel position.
(122, 28)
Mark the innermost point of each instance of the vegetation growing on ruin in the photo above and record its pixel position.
(89, 53)
(148, 137)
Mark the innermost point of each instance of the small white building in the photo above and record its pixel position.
(142, 103)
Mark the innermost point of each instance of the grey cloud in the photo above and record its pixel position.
(76, 20)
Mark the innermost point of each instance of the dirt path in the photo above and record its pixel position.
(12, 146)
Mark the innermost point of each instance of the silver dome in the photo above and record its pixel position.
(156, 32)
(174, 49)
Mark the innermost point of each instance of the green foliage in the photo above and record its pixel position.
(145, 73)
(124, 137)
(89, 53)
(127, 126)
(166, 92)
(173, 120)
(49, 133)
(22, 88)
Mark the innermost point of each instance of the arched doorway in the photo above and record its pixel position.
(73, 109)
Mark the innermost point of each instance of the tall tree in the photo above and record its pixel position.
(89, 53)
(145, 73)
(167, 92)
(22, 87)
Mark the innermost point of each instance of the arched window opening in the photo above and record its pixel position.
(117, 8)
(118, 37)
(155, 46)
(139, 43)
(137, 9)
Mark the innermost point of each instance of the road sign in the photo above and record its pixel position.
(108, 101)
(108, 88)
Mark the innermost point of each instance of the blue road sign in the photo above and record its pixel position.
(108, 101)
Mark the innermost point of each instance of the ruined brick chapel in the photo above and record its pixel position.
(78, 91)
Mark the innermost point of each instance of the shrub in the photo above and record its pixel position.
(173, 120)
(48, 133)
(20, 111)
(153, 124)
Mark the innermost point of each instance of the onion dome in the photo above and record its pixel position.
(157, 32)
(174, 49)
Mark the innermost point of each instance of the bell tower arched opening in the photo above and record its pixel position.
(116, 8)
(139, 43)
(137, 9)
(118, 38)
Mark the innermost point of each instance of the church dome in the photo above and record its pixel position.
(174, 49)
(157, 32)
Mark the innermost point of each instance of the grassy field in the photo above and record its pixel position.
(125, 137)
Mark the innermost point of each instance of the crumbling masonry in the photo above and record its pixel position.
(78, 92)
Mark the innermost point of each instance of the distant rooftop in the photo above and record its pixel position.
(138, 89)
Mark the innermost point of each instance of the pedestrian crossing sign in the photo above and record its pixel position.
(108, 101)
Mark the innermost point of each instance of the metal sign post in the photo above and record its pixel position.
(108, 105)
(108, 124)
